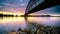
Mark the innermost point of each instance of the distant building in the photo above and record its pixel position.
(1, 15)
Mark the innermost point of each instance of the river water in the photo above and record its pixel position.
(13, 23)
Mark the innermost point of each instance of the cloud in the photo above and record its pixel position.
(21, 0)
(8, 4)
(22, 4)
(0, 6)
(13, 5)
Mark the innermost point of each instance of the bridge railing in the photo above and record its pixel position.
(32, 4)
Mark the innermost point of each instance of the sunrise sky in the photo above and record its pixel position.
(14, 6)
(19, 6)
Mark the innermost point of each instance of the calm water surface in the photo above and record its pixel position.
(13, 23)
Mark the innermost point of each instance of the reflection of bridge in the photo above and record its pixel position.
(36, 5)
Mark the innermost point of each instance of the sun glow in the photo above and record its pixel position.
(56, 15)
(10, 13)
(12, 19)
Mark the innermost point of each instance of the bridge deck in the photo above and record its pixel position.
(44, 5)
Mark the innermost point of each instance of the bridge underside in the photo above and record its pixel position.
(44, 5)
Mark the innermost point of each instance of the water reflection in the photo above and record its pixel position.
(13, 23)
(51, 21)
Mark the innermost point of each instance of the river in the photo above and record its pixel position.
(13, 23)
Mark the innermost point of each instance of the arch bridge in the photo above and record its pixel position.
(37, 5)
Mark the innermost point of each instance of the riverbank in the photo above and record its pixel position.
(34, 28)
